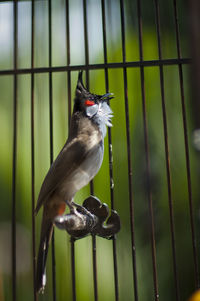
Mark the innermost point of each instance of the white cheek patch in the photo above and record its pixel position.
(91, 110)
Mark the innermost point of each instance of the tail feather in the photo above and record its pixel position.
(42, 256)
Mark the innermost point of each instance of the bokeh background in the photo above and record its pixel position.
(23, 194)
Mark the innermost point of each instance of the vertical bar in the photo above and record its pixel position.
(68, 61)
(94, 257)
(86, 41)
(149, 194)
(194, 24)
(72, 241)
(73, 268)
(15, 42)
(128, 142)
(86, 61)
(51, 139)
(187, 156)
(167, 157)
(110, 154)
(33, 151)
(69, 97)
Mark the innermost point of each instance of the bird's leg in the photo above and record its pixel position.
(78, 223)
(77, 209)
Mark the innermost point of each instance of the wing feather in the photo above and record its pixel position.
(70, 157)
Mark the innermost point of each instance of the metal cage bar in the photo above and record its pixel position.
(116, 281)
(68, 61)
(149, 194)
(33, 150)
(72, 241)
(167, 156)
(51, 137)
(15, 31)
(128, 141)
(187, 155)
(143, 63)
(94, 249)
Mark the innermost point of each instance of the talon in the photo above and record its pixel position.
(80, 209)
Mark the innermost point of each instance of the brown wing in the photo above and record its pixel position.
(70, 157)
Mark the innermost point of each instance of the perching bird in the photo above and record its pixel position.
(76, 165)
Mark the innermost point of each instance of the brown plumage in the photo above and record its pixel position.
(76, 165)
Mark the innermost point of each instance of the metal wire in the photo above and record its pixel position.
(167, 156)
(94, 255)
(14, 155)
(187, 156)
(133, 246)
(73, 268)
(151, 214)
(51, 139)
(33, 153)
(110, 154)
(98, 66)
(68, 62)
(72, 241)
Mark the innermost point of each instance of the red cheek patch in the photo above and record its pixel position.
(89, 102)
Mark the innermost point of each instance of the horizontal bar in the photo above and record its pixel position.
(98, 66)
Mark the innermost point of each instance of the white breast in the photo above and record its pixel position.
(83, 174)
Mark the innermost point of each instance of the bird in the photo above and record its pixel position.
(75, 166)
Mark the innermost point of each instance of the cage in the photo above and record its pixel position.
(139, 50)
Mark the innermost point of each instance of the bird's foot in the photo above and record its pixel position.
(78, 209)
(89, 219)
(78, 223)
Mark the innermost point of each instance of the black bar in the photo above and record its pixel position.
(88, 67)
(33, 153)
(110, 154)
(50, 85)
(15, 11)
(51, 139)
(128, 139)
(194, 25)
(86, 62)
(69, 97)
(94, 259)
(167, 156)
(68, 61)
(73, 269)
(86, 41)
(72, 241)
(187, 156)
(149, 194)
(67, 32)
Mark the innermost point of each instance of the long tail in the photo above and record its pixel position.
(46, 233)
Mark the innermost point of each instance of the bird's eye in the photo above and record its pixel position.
(89, 102)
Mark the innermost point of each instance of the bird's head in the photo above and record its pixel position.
(93, 106)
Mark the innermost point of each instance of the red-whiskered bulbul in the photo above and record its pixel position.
(75, 166)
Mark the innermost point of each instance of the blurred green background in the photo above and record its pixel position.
(83, 248)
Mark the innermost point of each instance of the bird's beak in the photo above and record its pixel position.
(107, 96)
